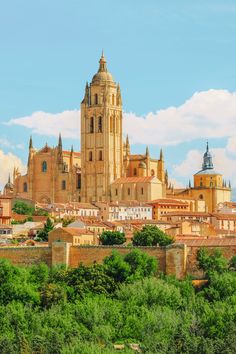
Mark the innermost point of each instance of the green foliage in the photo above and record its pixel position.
(112, 238)
(67, 221)
(214, 262)
(150, 235)
(232, 263)
(88, 309)
(23, 208)
(43, 234)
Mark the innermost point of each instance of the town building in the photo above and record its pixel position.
(5, 210)
(132, 210)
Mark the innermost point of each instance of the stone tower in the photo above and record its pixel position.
(101, 136)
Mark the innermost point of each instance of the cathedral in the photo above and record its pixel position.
(104, 170)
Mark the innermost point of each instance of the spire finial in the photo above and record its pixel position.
(147, 151)
(60, 141)
(102, 63)
(72, 149)
(207, 147)
(9, 178)
(30, 142)
(161, 155)
(127, 140)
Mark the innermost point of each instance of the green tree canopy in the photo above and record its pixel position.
(150, 235)
(211, 262)
(112, 238)
(43, 234)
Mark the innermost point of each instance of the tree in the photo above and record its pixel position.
(23, 208)
(150, 235)
(43, 234)
(214, 262)
(112, 238)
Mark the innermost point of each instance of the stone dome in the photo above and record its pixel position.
(102, 74)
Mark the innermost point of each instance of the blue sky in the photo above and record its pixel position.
(161, 52)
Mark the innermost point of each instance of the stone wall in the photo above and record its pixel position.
(25, 256)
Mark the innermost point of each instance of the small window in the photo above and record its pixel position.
(96, 98)
(201, 197)
(116, 191)
(91, 126)
(152, 173)
(128, 191)
(63, 185)
(44, 166)
(135, 171)
(99, 124)
(90, 156)
(142, 190)
(100, 155)
(25, 187)
(79, 182)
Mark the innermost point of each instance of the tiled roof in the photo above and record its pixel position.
(187, 213)
(76, 231)
(168, 201)
(220, 216)
(211, 242)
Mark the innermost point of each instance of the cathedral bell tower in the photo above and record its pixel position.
(101, 136)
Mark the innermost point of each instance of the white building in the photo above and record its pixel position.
(132, 210)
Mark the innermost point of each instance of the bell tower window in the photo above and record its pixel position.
(25, 187)
(90, 156)
(100, 155)
(63, 185)
(99, 124)
(96, 98)
(91, 125)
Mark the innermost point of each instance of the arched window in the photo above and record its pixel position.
(113, 99)
(90, 156)
(91, 125)
(79, 181)
(100, 155)
(25, 187)
(152, 173)
(44, 166)
(116, 191)
(142, 190)
(135, 171)
(128, 191)
(63, 185)
(96, 98)
(201, 197)
(100, 124)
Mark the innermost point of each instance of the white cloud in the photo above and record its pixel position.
(9, 161)
(6, 143)
(223, 163)
(43, 123)
(207, 114)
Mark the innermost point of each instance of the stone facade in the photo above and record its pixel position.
(105, 164)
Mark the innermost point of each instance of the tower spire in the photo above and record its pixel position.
(161, 155)
(102, 63)
(207, 159)
(30, 142)
(147, 151)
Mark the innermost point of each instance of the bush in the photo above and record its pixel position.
(112, 238)
(214, 262)
(151, 236)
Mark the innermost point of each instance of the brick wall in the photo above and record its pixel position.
(25, 256)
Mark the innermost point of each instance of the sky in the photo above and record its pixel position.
(175, 61)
